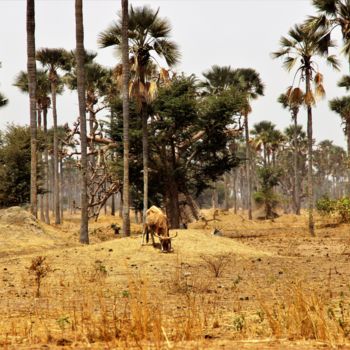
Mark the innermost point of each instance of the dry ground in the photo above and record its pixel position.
(264, 285)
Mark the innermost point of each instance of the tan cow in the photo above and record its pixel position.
(157, 225)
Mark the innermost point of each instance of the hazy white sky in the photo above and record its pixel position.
(240, 33)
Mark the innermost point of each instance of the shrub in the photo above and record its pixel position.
(340, 207)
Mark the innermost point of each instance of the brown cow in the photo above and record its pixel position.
(157, 225)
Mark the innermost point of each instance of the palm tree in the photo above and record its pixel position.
(80, 56)
(263, 135)
(148, 35)
(125, 61)
(293, 99)
(332, 14)
(43, 101)
(341, 106)
(249, 82)
(303, 45)
(54, 60)
(31, 67)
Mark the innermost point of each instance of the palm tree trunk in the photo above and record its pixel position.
(145, 162)
(310, 155)
(55, 155)
(296, 170)
(46, 171)
(80, 52)
(125, 58)
(249, 180)
(31, 67)
(348, 149)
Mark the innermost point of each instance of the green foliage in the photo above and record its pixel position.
(340, 208)
(269, 177)
(326, 206)
(14, 166)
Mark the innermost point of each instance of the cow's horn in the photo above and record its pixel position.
(173, 236)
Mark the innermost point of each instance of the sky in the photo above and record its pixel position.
(239, 33)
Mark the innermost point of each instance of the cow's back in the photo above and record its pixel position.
(156, 218)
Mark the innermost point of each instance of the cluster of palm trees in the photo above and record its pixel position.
(276, 151)
(143, 39)
(304, 44)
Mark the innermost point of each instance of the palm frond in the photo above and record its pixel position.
(320, 91)
(168, 50)
(329, 7)
(318, 79)
(309, 99)
(344, 82)
(3, 100)
(333, 62)
(289, 63)
(110, 37)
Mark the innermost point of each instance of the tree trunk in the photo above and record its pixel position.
(234, 188)
(125, 58)
(296, 168)
(214, 197)
(55, 155)
(31, 67)
(145, 163)
(80, 53)
(226, 191)
(249, 180)
(310, 155)
(348, 163)
(61, 189)
(172, 201)
(113, 204)
(46, 170)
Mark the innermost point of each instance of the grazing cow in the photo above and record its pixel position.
(157, 225)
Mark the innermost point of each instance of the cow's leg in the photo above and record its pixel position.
(144, 234)
(152, 236)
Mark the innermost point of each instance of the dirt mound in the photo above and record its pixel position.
(16, 216)
(21, 233)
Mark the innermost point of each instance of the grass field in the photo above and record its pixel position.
(263, 285)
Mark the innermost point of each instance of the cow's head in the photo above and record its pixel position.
(165, 242)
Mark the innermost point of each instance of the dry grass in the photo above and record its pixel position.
(212, 292)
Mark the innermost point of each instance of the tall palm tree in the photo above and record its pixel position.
(54, 60)
(293, 99)
(31, 68)
(80, 54)
(43, 101)
(341, 106)
(125, 62)
(148, 36)
(301, 46)
(248, 81)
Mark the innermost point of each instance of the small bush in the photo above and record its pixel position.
(326, 206)
(217, 263)
(340, 208)
(39, 268)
